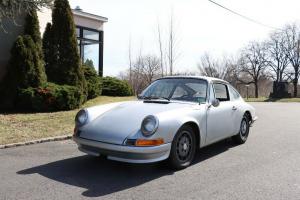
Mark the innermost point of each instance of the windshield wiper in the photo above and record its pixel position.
(154, 98)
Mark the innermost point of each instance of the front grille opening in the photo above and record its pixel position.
(130, 142)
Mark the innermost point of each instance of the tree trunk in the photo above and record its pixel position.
(256, 89)
(280, 76)
(295, 82)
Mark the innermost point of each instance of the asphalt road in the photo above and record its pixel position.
(266, 167)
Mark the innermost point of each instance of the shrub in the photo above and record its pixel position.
(65, 66)
(26, 67)
(115, 87)
(50, 97)
(94, 85)
(47, 48)
(32, 28)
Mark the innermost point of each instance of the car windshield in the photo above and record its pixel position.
(181, 89)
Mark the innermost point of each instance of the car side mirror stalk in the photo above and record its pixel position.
(215, 102)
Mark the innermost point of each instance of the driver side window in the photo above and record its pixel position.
(221, 92)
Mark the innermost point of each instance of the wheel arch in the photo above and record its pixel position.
(248, 114)
(196, 130)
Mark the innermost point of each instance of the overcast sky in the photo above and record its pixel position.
(201, 26)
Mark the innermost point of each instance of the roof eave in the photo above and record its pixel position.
(89, 15)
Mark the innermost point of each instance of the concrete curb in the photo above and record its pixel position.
(50, 139)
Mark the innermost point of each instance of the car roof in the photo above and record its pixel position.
(209, 79)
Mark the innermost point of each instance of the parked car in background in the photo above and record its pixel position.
(171, 118)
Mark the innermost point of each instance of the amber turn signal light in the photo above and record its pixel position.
(144, 142)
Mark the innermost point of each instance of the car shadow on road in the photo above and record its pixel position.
(102, 177)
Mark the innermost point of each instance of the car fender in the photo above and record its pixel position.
(171, 123)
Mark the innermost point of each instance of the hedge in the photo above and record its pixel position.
(115, 87)
(94, 85)
(50, 97)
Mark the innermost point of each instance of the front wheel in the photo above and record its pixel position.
(183, 148)
(242, 136)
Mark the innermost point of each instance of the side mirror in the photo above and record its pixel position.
(215, 102)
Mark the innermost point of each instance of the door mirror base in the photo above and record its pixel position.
(215, 102)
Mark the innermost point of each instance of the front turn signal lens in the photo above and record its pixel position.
(144, 142)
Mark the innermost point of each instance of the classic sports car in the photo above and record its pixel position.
(170, 119)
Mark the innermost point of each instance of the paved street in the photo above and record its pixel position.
(266, 167)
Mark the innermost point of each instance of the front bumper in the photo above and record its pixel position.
(124, 153)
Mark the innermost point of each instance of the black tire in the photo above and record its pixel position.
(243, 134)
(183, 148)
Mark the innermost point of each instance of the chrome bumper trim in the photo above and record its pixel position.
(124, 153)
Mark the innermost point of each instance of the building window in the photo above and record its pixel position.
(90, 44)
(91, 54)
(92, 35)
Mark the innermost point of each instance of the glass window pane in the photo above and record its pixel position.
(179, 92)
(91, 54)
(77, 32)
(234, 94)
(78, 45)
(92, 35)
(221, 92)
(193, 90)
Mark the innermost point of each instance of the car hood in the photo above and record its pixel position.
(120, 121)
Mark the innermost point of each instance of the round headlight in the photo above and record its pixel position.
(81, 117)
(149, 125)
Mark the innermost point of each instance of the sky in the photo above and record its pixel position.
(200, 27)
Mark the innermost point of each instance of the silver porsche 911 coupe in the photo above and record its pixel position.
(170, 119)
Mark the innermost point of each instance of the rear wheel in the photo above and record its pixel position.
(242, 136)
(183, 148)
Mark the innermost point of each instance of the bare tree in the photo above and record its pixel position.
(150, 68)
(277, 57)
(252, 64)
(137, 76)
(160, 45)
(208, 66)
(130, 60)
(292, 49)
(173, 43)
(223, 69)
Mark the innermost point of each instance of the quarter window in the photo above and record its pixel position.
(221, 92)
(233, 93)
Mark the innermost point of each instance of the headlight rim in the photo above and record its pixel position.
(149, 133)
(78, 123)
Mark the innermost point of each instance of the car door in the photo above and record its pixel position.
(220, 118)
(235, 98)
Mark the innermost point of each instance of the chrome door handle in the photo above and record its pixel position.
(234, 108)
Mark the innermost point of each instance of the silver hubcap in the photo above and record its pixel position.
(243, 130)
(184, 146)
(244, 127)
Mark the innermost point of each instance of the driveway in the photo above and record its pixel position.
(266, 167)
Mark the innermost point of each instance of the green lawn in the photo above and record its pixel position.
(25, 127)
(264, 99)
